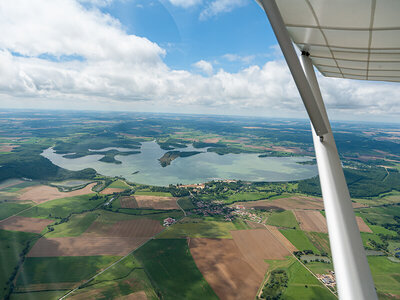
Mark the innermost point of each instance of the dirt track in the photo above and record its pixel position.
(156, 202)
(43, 193)
(18, 223)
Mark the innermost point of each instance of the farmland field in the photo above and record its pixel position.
(199, 228)
(299, 239)
(166, 259)
(283, 219)
(237, 220)
(61, 208)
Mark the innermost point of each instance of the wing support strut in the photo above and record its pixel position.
(353, 275)
(282, 35)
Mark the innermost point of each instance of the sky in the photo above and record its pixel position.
(177, 56)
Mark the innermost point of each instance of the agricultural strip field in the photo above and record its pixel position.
(125, 280)
(119, 184)
(282, 238)
(299, 239)
(386, 275)
(136, 228)
(295, 202)
(109, 191)
(172, 271)
(225, 268)
(302, 284)
(199, 228)
(46, 273)
(315, 221)
(311, 221)
(85, 246)
(128, 202)
(156, 202)
(61, 208)
(11, 246)
(8, 209)
(258, 245)
(76, 225)
(43, 193)
(18, 223)
(283, 219)
(101, 238)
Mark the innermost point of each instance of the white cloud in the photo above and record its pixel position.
(185, 3)
(204, 66)
(117, 70)
(217, 7)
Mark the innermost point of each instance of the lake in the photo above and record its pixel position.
(199, 168)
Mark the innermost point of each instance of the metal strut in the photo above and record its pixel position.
(353, 275)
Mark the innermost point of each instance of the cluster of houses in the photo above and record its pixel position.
(328, 279)
(212, 209)
(169, 221)
(242, 212)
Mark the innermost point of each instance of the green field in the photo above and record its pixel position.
(283, 219)
(119, 184)
(319, 267)
(149, 193)
(76, 225)
(43, 270)
(320, 241)
(299, 239)
(199, 228)
(302, 284)
(50, 295)
(8, 209)
(247, 196)
(11, 246)
(61, 208)
(124, 278)
(386, 274)
(381, 230)
(186, 203)
(173, 271)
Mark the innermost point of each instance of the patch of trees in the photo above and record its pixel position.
(275, 286)
(362, 183)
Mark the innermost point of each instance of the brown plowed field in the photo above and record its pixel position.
(225, 268)
(156, 202)
(295, 202)
(128, 202)
(118, 239)
(134, 296)
(43, 193)
(311, 220)
(254, 225)
(109, 191)
(274, 230)
(256, 245)
(315, 221)
(17, 223)
(362, 226)
(129, 228)
(85, 246)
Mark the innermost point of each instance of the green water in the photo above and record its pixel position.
(202, 167)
